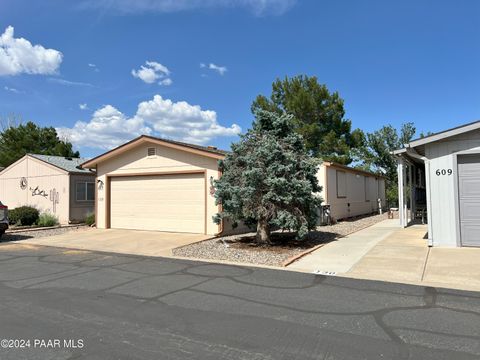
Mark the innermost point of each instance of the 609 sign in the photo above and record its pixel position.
(440, 172)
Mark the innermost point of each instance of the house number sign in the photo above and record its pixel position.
(443, 172)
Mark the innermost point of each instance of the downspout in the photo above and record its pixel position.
(411, 152)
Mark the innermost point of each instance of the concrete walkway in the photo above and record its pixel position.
(149, 243)
(340, 256)
(387, 252)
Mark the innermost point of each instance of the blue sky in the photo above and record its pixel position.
(392, 62)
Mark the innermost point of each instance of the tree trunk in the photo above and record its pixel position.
(263, 232)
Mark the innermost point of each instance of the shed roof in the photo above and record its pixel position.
(72, 165)
(441, 135)
(352, 169)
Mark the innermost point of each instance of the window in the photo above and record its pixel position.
(341, 184)
(85, 191)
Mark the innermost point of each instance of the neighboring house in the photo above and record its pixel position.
(441, 173)
(350, 192)
(52, 184)
(164, 185)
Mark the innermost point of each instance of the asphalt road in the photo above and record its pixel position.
(130, 307)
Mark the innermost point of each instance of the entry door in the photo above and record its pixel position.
(469, 199)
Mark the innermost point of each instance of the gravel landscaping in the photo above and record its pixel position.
(241, 248)
(35, 233)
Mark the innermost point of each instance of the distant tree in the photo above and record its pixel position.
(318, 116)
(376, 154)
(16, 141)
(269, 179)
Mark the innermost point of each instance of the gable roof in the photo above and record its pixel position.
(196, 149)
(71, 165)
(443, 135)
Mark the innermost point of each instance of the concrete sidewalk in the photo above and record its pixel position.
(341, 255)
(405, 257)
(387, 252)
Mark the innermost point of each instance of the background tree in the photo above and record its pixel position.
(270, 179)
(318, 116)
(376, 154)
(16, 141)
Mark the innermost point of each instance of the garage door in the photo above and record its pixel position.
(469, 199)
(163, 203)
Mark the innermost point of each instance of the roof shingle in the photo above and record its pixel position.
(72, 165)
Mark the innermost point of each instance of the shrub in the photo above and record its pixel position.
(23, 215)
(90, 219)
(47, 219)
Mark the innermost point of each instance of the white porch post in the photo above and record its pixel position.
(412, 191)
(429, 203)
(401, 193)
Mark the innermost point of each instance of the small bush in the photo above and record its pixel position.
(90, 219)
(47, 219)
(23, 215)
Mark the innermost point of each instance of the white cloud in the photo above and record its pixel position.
(83, 106)
(159, 117)
(106, 129)
(257, 7)
(16, 91)
(68, 82)
(153, 71)
(18, 55)
(220, 69)
(94, 67)
(166, 82)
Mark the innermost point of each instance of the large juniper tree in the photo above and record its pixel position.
(318, 114)
(270, 179)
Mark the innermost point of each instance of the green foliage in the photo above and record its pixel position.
(90, 219)
(269, 178)
(376, 154)
(23, 215)
(16, 141)
(47, 219)
(318, 116)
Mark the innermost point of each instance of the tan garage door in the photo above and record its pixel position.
(164, 203)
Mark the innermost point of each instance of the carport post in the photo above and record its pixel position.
(401, 193)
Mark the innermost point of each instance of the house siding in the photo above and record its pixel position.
(443, 189)
(80, 209)
(46, 179)
(167, 160)
(361, 195)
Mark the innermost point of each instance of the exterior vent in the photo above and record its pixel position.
(151, 151)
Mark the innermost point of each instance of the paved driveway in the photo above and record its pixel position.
(150, 243)
(132, 307)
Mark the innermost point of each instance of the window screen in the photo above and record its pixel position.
(85, 191)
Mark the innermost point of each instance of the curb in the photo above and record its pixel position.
(14, 231)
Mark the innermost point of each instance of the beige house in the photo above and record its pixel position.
(52, 184)
(155, 184)
(350, 192)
